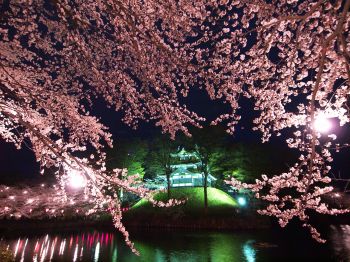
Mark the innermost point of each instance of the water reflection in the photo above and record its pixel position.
(55, 247)
(97, 252)
(100, 245)
(107, 246)
(249, 252)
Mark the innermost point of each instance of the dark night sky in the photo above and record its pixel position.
(19, 165)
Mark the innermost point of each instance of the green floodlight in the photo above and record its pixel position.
(242, 201)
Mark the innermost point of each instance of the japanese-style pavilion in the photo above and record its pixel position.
(185, 170)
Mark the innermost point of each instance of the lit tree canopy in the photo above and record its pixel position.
(290, 57)
(159, 160)
(129, 154)
(245, 162)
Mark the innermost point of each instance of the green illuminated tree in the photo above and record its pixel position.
(158, 160)
(207, 143)
(244, 162)
(130, 155)
(248, 161)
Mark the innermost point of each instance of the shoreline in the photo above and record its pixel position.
(162, 223)
(209, 223)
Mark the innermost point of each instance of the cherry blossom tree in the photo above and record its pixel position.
(297, 73)
(291, 58)
(58, 57)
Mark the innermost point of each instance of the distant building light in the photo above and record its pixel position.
(242, 201)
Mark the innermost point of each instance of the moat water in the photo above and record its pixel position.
(102, 245)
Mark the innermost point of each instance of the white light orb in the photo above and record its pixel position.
(76, 179)
(322, 124)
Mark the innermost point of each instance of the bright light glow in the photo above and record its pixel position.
(249, 252)
(76, 253)
(76, 179)
(97, 252)
(17, 246)
(24, 249)
(62, 247)
(322, 124)
(242, 201)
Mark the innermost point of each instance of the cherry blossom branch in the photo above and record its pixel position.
(325, 47)
(97, 179)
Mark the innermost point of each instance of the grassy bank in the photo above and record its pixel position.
(223, 212)
(219, 203)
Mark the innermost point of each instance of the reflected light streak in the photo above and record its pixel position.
(75, 256)
(53, 248)
(97, 252)
(17, 246)
(44, 248)
(81, 251)
(36, 248)
(249, 252)
(24, 249)
(70, 242)
(62, 246)
(115, 255)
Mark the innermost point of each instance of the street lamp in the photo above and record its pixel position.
(322, 124)
(76, 179)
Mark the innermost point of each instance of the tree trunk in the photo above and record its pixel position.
(168, 182)
(205, 187)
